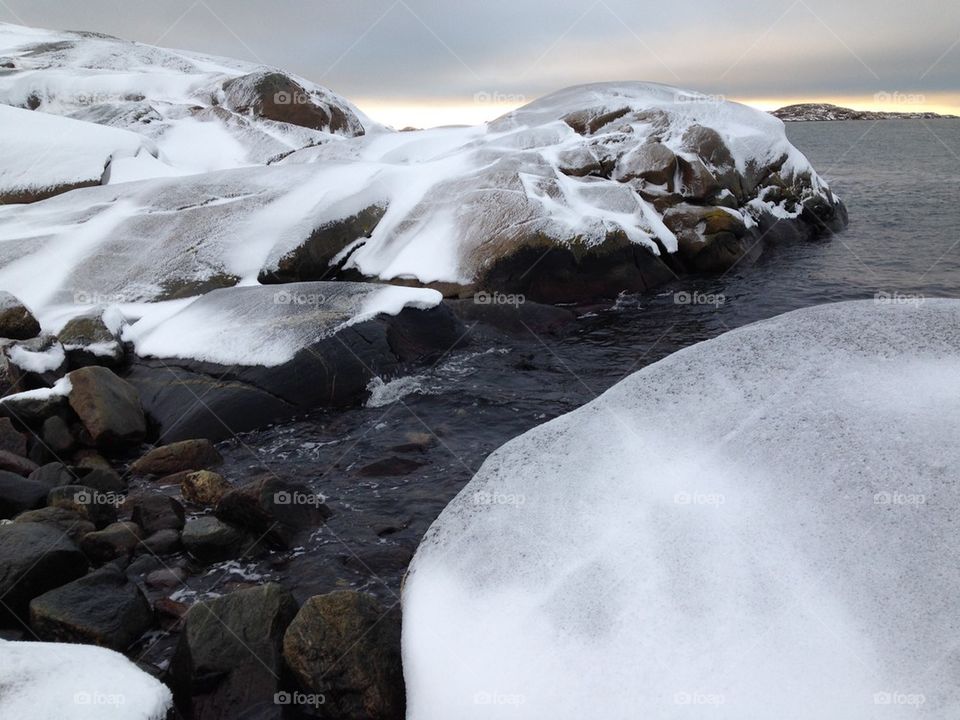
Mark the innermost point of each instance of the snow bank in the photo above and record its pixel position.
(76, 682)
(43, 152)
(268, 325)
(759, 526)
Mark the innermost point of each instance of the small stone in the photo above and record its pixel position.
(178, 457)
(16, 321)
(53, 475)
(16, 464)
(203, 487)
(154, 511)
(57, 436)
(273, 508)
(211, 540)
(91, 504)
(11, 439)
(114, 541)
(162, 542)
(166, 578)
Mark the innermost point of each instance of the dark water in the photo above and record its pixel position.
(901, 183)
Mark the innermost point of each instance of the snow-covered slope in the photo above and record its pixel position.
(42, 681)
(203, 113)
(44, 155)
(759, 526)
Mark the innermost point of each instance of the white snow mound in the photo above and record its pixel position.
(759, 526)
(76, 682)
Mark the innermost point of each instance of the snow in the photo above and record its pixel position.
(41, 681)
(42, 151)
(37, 361)
(758, 526)
(268, 325)
(61, 388)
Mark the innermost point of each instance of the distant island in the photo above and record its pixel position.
(806, 112)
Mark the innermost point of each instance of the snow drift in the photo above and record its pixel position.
(762, 525)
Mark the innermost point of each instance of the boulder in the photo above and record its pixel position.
(104, 480)
(35, 363)
(11, 439)
(203, 487)
(346, 647)
(18, 464)
(87, 340)
(57, 436)
(155, 511)
(118, 540)
(274, 509)
(653, 162)
(162, 542)
(18, 494)
(108, 407)
(177, 457)
(211, 540)
(229, 654)
(103, 608)
(53, 475)
(16, 320)
(34, 558)
(166, 578)
(32, 407)
(70, 523)
(91, 504)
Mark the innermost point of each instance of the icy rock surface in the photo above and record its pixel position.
(762, 525)
(41, 681)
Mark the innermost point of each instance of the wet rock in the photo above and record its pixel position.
(708, 238)
(57, 436)
(10, 462)
(31, 408)
(162, 542)
(154, 511)
(229, 654)
(143, 565)
(87, 341)
(178, 457)
(16, 320)
(203, 487)
(103, 608)
(211, 540)
(35, 558)
(70, 523)
(108, 407)
(166, 578)
(18, 494)
(346, 646)
(88, 459)
(11, 439)
(114, 541)
(91, 504)
(53, 475)
(104, 480)
(274, 509)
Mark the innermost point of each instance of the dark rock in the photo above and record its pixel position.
(87, 341)
(34, 558)
(162, 542)
(274, 509)
(346, 647)
(203, 487)
(18, 494)
(390, 467)
(29, 408)
(103, 608)
(229, 653)
(16, 321)
(108, 407)
(18, 464)
(143, 565)
(91, 504)
(114, 541)
(53, 475)
(211, 540)
(57, 436)
(166, 578)
(178, 457)
(70, 523)
(88, 459)
(23, 359)
(154, 511)
(520, 319)
(11, 439)
(653, 162)
(103, 479)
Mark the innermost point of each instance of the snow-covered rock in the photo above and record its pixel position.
(762, 525)
(76, 682)
(44, 155)
(202, 113)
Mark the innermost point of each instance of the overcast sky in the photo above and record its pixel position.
(430, 61)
